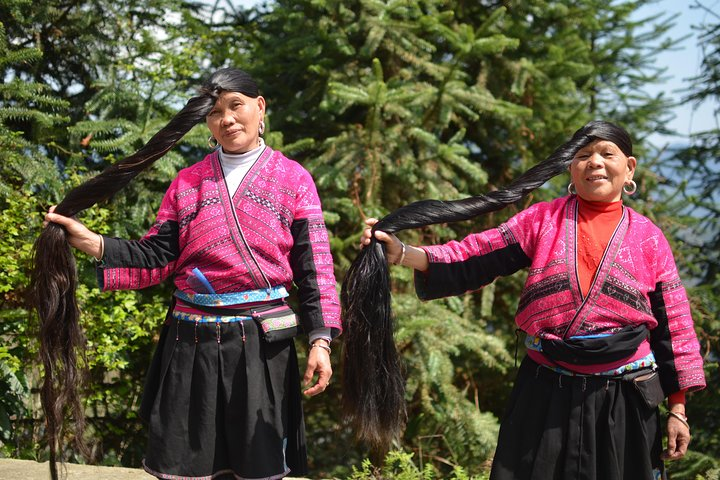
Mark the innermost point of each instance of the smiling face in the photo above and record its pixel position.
(599, 170)
(234, 121)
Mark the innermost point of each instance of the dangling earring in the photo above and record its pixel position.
(632, 189)
(571, 189)
(261, 127)
(212, 142)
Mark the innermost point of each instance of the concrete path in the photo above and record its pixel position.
(30, 470)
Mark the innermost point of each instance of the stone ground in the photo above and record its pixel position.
(30, 470)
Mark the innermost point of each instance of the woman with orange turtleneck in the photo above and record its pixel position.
(608, 325)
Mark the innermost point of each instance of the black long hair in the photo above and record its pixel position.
(54, 275)
(373, 385)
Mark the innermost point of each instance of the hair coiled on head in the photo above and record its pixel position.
(53, 280)
(373, 385)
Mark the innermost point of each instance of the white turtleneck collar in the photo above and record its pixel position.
(236, 165)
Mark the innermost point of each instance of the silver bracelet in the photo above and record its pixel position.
(324, 347)
(102, 249)
(679, 416)
(402, 255)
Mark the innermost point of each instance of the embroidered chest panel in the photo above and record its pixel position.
(552, 302)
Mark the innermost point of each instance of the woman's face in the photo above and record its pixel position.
(599, 170)
(234, 121)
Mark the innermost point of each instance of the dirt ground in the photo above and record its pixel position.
(29, 470)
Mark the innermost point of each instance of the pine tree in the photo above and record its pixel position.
(690, 181)
(394, 101)
(389, 102)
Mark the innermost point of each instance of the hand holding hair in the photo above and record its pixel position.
(396, 251)
(78, 235)
(393, 245)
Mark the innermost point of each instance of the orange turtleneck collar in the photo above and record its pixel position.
(596, 223)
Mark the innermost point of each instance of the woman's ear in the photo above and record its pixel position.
(631, 165)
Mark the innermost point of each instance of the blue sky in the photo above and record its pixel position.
(681, 63)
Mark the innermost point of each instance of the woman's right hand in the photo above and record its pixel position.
(78, 235)
(414, 257)
(393, 246)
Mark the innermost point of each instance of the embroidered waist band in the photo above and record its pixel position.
(232, 299)
(204, 318)
(228, 307)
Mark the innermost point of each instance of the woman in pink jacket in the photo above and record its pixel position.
(607, 321)
(235, 232)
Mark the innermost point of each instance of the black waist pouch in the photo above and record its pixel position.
(648, 385)
(277, 324)
(591, 351)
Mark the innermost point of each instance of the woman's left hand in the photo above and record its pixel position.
(678, 439)
(318, 362)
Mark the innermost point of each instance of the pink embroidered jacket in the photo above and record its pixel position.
(270, 233)
(637, 282)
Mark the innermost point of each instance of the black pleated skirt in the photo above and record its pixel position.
(218, 406)
(559, 427)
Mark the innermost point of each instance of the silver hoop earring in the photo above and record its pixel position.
(261, 127)
(571, 189)
(632, 189)
(212, 142)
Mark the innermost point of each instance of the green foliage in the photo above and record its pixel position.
(15, 388)
(441, 364)
(16, 344)
(399, 465)
(25, 107)
(694, 466)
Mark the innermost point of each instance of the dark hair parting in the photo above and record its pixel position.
(53, 280)
(373, 385)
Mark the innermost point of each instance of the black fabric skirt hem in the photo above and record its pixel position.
(223, 473)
